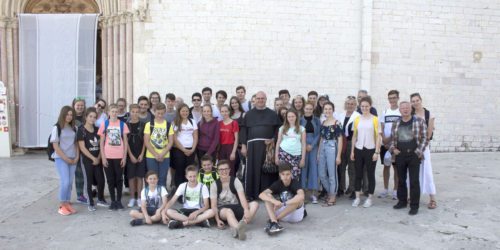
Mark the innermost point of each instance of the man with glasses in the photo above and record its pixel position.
(229, 202)
(258, 129)
(387, 119)
(195, 112)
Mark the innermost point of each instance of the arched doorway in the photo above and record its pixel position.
(72, 6)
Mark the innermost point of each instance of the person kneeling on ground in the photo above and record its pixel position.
(229, 202)
(153, 202)
(289, 207)
(195, 203)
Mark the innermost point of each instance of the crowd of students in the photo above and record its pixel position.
(312, 146)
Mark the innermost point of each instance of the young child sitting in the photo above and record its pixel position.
(206, 175)
(290, 206)
(153, 202)
(195, 205)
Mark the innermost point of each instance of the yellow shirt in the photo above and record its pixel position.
(158, 138)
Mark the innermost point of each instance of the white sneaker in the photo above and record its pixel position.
(138, 202)
(368, 203)
(314, 199)
(131, 203)
(395, 195)
(356, 202)
(383, 194)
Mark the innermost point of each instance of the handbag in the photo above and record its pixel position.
(269, 166)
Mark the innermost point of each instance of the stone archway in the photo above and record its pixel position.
(61, 6)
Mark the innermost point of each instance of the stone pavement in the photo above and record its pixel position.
(467, 216)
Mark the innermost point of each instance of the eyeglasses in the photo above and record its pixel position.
(223, 169)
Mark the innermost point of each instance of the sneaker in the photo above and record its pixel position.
(275, 228)
(305, 214)
(175, 224)
(234, 232)
(204, 223)
(70, 208)
(131, 203)
(400, 206)
(395, 195)
(314, 199)
(91, 208)
(352, 196)
(268, 226)
(102, 203)
(63, 211)
(81, 199)
(136, 222)
(413, 211)
(119, 205)
(242, 227)
(138, 203)
(356, 202)
(383, 194)
(368, 203)
(112, 207)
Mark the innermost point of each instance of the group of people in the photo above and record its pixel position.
(299, 149)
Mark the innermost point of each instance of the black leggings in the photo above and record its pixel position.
(364, 159)
(179, 162)
(94, 173)
(114, 175)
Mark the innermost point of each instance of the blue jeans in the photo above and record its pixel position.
(327, 166)
(309, 176)
(159, 167)
(66, 175)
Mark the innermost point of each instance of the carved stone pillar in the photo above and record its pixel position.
(129, 59)
(123, 86)
(104, 58)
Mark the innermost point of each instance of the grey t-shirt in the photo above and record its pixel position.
(66, 141)
(170, 116)
(226, 196)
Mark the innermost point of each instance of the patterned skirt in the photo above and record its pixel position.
(293, 160)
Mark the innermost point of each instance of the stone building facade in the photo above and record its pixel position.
(449, 51)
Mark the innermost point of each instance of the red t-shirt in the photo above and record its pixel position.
(227, 132)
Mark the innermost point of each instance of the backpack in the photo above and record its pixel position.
(218, 182)
(427, 115)
(106, 124)
(132, 135)
(50, 146)
(202, 177)
(200, 202)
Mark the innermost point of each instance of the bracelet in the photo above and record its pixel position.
(377, 153)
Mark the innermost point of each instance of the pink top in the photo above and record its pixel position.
(113, 144)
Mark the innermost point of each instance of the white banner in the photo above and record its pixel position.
(57, 55)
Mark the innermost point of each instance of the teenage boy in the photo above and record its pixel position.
(195, 204)
(170, 113)
(136, 165)
(229, 202)
(387, 119)
(240, 93)
(285, 96)
(195, 112)
(284, 201)
(159, 138)
(206, 175)
(206, 92)
(312, 97)
(144, 114)
(220, 97)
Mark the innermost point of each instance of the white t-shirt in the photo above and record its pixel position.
(185, 136)
(366, 138)
(388, 117)
(153, 198)
(192, 195)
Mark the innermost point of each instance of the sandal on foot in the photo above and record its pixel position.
(432, 204)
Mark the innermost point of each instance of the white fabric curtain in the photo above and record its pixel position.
(57, 55)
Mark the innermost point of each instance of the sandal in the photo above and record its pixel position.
(329, 203)
(432, 204)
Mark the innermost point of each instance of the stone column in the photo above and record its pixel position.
(123, 87)
(104, 56)
(129, 60)
(116, 60)
(109, 60)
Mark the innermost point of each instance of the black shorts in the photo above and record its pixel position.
(186, 211)
(237, 210)
(136, 169)
(381, 156)
(151, 210)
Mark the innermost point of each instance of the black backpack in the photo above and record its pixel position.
(218, 182)
(50, 146)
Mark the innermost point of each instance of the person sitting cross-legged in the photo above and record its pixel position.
(289, 204)
(195, 203)
(229, 202)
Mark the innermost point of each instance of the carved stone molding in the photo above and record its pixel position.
(62, 6)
